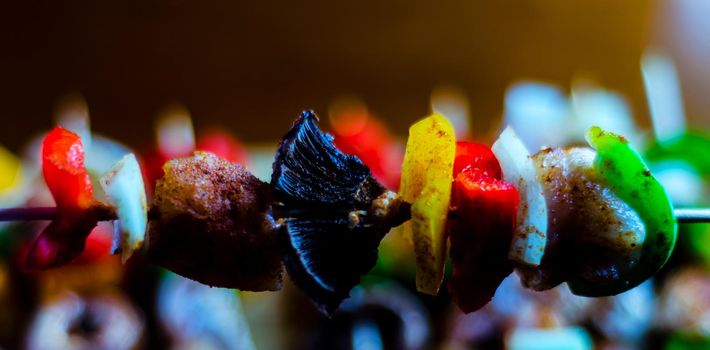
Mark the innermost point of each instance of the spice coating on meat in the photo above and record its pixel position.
(591, 231)
(213, 224)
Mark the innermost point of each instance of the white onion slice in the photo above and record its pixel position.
(530, 236)
(123, 184)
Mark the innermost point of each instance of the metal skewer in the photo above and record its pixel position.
(692, 215)
(103, 213)
(684, 215)
(28, 214)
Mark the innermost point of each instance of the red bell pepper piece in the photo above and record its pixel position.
(477, 155)
(481, 227)
(64, 171)
(60, 242)
(70, 185)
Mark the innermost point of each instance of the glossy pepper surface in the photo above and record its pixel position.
(627, 175)
(64, 171)
(481, 228)
(426, 183)
(70, 185)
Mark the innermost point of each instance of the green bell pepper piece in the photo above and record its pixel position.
(625, 172)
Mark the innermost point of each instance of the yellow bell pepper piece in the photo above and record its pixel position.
(427, 172)
(10, 170)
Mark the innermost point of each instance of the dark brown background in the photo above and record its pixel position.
(252, 67)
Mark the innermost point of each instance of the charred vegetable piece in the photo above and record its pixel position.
(334, 213)
(627, 175)
(123, 185)
(426, 183)
(70, 185)
(530, 236)
(481, 227)
(212, 225)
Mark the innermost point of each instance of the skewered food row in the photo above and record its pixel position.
(594, 218)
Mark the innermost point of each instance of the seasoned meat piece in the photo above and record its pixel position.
(590, 230)
(212, 224)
